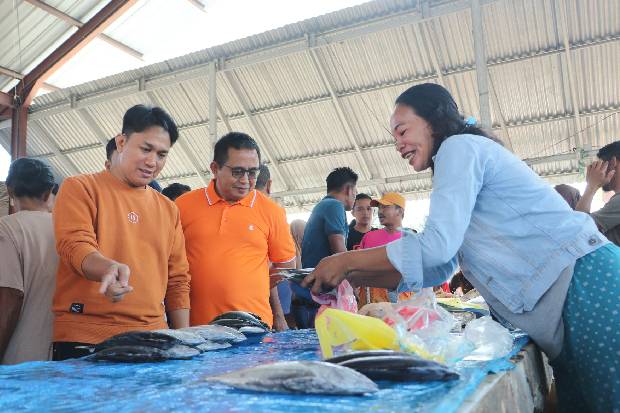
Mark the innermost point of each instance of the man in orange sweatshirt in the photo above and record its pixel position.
(121, 246)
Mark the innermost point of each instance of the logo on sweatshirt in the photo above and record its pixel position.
(77, 308)
(133, 217)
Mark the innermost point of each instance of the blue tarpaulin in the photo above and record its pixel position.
(80, 385)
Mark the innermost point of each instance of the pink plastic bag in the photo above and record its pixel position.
(343, 300)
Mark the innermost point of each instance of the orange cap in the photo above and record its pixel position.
(389, 198)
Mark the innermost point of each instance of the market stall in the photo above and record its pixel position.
(180, 385)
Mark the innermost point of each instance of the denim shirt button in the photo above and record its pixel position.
(592, 241)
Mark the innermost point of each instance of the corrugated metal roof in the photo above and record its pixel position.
(297, 120)
(28, 33)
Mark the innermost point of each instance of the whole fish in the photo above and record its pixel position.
(141, 354)
(395, 366)
(217, 333)
(309, 377)
(162, 339)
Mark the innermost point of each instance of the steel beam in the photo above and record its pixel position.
(213, 105)
(27, 88)
(198, 4)
(560, 7)
(425, 30)
(344, 122)
(76, 23)
(11, 73)
(64, 160)
(258, 134)
(19, 121)
(198, 71)
(282, 161)
(482, 71)
(282, 49)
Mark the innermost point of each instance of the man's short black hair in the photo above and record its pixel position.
(139, 118)
(339, 178)
(110, 148)
(361, 196)
(609, 151)
(236, 140)
(175, 190)
(30, 177)
(263, 177)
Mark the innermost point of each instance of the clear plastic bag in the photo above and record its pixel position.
(491, 339)
(423, 327)
(344, 298)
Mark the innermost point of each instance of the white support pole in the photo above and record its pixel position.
(213, 105)
(482, 71)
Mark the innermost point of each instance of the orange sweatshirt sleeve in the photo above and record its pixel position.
(177, 293)
(74, 214)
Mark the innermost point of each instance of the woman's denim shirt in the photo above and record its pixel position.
(502, 223)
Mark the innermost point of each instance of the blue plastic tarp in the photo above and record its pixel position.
(80, 385)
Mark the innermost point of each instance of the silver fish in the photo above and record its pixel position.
(217, 333)
(309, 377)
(212, 345)
(140, 354)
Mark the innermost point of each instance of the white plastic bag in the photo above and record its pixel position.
(491, 339)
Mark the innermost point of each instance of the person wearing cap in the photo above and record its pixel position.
(391, 213)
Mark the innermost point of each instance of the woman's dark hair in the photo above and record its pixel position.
(435, 105)
(29, 177)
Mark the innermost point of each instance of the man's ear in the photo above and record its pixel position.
(121, 141)
(268, 187)
(214, 168)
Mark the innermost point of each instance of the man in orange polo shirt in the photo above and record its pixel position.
(232, 232)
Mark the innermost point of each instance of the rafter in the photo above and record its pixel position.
(76, 23)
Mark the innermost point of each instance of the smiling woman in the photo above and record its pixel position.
(538, 264)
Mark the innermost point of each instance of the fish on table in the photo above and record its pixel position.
(307, 377)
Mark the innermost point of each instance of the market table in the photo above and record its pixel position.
(79, 385)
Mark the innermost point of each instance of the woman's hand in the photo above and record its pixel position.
(328, 274)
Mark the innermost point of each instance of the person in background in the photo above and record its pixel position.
(175, 190)
(604, 173)
(232, 233)
(297, 232)
(325, 234)
(391, 214)
(121, 245)
(570, 194)
(459, 285)
(362, 212)
(280, 295)
(539, 265)
(263, 181)
(29, 261)
(4, 200)
(111, 156)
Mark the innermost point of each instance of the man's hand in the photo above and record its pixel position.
(328, 274)
(115, 282)
(600, 173)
